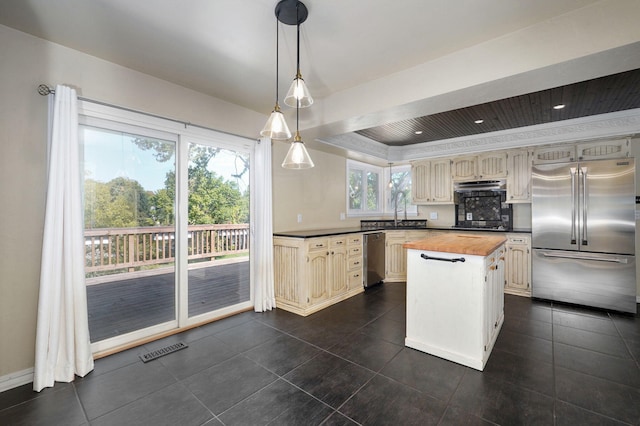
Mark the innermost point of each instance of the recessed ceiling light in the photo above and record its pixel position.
(479, 121)
(559, 106)
(418, 132)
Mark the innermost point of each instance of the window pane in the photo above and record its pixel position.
(218, 230)
(129, 198)
(400, 191)
(355, 189)
(373, 203)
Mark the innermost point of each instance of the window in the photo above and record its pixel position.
(363, 189)
(398, 194)
(369, 192)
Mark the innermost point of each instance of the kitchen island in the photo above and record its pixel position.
(455, 296)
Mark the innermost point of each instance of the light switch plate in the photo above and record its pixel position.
(433, 215)
(299, 217)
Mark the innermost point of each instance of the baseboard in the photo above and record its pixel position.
(15, 379)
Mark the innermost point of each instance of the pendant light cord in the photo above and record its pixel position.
(277, 57)
(298, 65)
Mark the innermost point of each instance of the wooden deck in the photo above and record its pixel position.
(127, 305)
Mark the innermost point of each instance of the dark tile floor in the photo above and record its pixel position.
(552, 365)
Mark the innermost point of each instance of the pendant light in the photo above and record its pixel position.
(298, 95)
(276, 126)
(390, 177)
(293, 12)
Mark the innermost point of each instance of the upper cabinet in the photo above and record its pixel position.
(431, 182)
(519, 176)
(603, 149)
(490, 165)
(595, 150)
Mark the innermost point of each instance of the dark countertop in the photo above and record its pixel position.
(313, 233)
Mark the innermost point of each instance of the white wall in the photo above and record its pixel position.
(25, 62)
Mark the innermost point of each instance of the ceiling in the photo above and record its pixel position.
(226, 49)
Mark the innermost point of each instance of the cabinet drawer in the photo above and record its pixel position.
(514, 239)
(353, 240)
(320, 244)
(355, 263)
(355, 279)
(355, 251)
(338, 242)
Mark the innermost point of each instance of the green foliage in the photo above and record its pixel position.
(123, 203)
(119, 203)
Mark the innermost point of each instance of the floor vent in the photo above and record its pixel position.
(157, 353)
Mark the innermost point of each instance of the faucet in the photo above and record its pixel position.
(395, 210)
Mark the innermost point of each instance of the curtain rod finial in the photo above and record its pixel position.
(45, 90)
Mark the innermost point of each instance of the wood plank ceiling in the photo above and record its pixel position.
(611, 93)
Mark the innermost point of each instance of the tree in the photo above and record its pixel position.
(119, 203)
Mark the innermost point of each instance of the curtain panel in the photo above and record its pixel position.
(63, 347)
(262, 228)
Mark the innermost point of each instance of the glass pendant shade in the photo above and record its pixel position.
(298, 91)
(276, 127)
(297, 157)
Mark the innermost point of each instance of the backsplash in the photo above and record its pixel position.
(483, 209)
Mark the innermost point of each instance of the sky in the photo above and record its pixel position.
(108, 155)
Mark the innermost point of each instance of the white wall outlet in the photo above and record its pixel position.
(299, 217)
(469, 216)
(433, 215)
(342, 216)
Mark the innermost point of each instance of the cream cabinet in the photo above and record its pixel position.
(519, 176)
(593, 150)
(464, 169)
(600, 150)
(311, 274)
(396, 254)
(518, 265)
(431, 182)
(355, 274)
(554, 154)
(490, 165)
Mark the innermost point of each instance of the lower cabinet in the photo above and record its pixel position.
(311, 274)
(518, 265)
(396, 254)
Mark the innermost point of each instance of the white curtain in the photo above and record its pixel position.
(262, 224)
(62, 337)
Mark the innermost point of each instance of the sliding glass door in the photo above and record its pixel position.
(218, 229)
(129, 222)
(166, 224)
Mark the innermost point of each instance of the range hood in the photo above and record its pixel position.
(481, 185)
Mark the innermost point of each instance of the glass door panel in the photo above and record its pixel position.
(218, 229)
(130, 233)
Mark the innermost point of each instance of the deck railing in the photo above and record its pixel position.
(115, 249)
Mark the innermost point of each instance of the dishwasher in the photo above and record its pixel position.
(374, 247)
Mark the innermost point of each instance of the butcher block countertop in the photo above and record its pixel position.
(478, 245)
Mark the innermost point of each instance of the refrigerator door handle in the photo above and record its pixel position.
(583, 175)
(582, 257)
(572, 170)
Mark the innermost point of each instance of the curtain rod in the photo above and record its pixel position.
(45, 90)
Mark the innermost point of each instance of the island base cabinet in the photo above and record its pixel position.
(315, 273)
(455, 309)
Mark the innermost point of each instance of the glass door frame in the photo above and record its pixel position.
(99, 115)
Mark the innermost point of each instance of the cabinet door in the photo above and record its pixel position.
(317, 274)
(337, 271)
(600, 150)
(464, 168)
(441, 187)
(420, 182)
(492, 165)
(395, 257)
(554, 154)
(518, 268)
(518, 176)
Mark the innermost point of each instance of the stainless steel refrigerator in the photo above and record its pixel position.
(583, 233)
